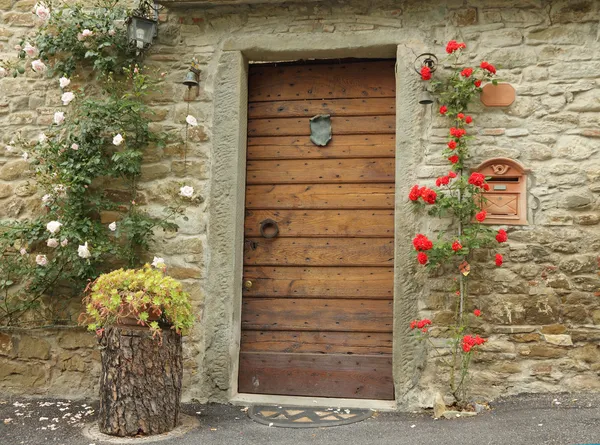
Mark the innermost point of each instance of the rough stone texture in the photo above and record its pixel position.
(547, 289)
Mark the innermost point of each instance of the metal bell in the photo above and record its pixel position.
(425, 98)
(191, 79)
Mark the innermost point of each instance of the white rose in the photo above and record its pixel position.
(52, 242)
(113, 226)
(75, 146)
(38, 66)
(31, 51)
(3, 72)
(186, 191)
(83, 251)
(46, 199)
(64, 82)
(23, 251)
(41, 260)
(67, 98)
(42, 138)
(111, 32)
(25, 155)
(9, 147)
(64, 242)
(118, 139)
(191, 120)
(42, 11)
(59, 117)
(158, 262)
(86, 33)
(53, 226)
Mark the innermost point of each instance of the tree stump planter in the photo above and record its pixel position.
(140, 385)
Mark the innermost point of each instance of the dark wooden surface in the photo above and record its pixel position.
(317, 320)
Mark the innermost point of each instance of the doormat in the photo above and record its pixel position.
(300, 417)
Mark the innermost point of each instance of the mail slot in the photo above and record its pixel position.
(506, 200)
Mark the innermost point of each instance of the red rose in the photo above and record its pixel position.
(422, 258)
(425, 73)
(486, 187)
(451, 174)
(422, 243)
(477, 312)
(501, 237)
(477, 179)
(467, 343)
(422, 323)
(413, 324)
(478, 83)
(466, 72)
(468, 119)
(456, 246)
(453, 45)
(457, 132)
(443, 109)
(415, 193)
(429, 196)
(454, 159)
(460, 116)
(488, 67)
(481, 216)
(452, 145)
(499, 260)
(478, 340)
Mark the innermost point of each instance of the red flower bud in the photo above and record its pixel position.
(452, 145)
(456, 246)
(454, 159)
(481, 216)
(468, 119)
(415, 193)
(426, 73)
(501, 237)
(422, 258)
(478, 83)
(451, 174)
(443, 109)
(499, 260)
(460, 116)
(466, 72)
(477, 312)
(488, 67)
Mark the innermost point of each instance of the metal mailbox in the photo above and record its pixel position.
(506, 200)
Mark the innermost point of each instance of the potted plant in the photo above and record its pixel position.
(140, 316)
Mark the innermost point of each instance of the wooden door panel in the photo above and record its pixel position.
(340, 126)
(317, 319)
(355, 376)
(290, 314)
(333, 107)
(323, 223)
(344, 81)
(342, 146)
(320, 196)
(319, 252)
(319, 171)
(369, 343)
(320, 282)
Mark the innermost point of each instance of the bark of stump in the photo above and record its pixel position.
(140, 385)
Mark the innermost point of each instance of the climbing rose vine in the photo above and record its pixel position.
(459, 195)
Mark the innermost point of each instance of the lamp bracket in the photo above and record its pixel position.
(426, 59)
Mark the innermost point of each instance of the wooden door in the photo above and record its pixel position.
(317, 320)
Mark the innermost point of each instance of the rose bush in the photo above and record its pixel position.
(460, 196)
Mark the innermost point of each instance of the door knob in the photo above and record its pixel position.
(247, 284)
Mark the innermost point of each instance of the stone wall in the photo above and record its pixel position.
(61, 362)
(541, 309)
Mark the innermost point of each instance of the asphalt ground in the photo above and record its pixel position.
(566, 419)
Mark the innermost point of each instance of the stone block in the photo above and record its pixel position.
(464, 17)
(77, 339)
(501, 38)
(21, 377)
(587, 263)
(589, 353)
(526, 338)
(13, 170)
(575, 148)
(586, 101)
(72, 362)
(6, 344)
(33, 347)
(180, 246)
(154, 171)
(559, 340)
(5, 190)
(575, 34)
(195, 169)
(542, 351)
(565, 11)
(19, 19)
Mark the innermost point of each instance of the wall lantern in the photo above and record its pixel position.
(430, 61)
(142, 26)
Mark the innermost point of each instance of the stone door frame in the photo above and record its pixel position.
(223, 293)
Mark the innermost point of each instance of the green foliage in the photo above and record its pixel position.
(59, 40)
(146, 295)
(98, 139)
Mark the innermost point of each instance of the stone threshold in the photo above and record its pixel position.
(325, 402)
